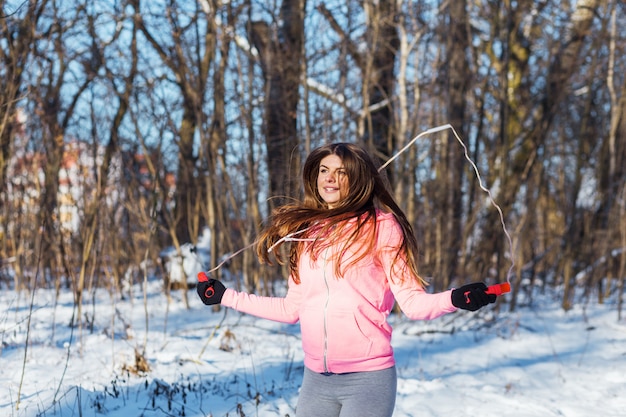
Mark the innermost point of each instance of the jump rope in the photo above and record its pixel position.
(495, 289)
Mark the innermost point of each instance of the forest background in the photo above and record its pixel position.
(130, 126)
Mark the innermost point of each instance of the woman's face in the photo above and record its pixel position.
(332, 180)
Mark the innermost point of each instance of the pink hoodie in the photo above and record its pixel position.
(343, 320)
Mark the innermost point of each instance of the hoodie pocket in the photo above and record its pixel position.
(349, 339)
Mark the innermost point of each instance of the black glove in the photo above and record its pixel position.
(472, 296)
(210, 290)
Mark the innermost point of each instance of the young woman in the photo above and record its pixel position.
(353, 254)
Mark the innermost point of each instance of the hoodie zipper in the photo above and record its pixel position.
(326, 314)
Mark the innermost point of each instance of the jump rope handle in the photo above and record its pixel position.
(499, 289)
(209, 292)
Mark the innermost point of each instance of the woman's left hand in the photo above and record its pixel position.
(209, 290)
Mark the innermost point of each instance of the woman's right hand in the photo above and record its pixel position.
(472, 296)
(210, 290)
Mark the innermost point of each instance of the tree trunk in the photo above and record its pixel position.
(379, 78)
(449, 221)
(281, 57)
(563, 65)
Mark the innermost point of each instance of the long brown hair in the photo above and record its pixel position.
(368, 191)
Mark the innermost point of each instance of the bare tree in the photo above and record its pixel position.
(561, 69)
(55, 109)
(19, 30)
(377, 67)
(451, 173)
(612, 179)
(280, 48)
(188, 52)
(94, 211)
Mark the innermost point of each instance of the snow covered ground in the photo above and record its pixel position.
(538, 361)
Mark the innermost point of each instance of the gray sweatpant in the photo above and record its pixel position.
(356, 394)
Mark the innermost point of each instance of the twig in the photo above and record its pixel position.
(153, 228)
(67, 358)
(212, 334)
(30, 315)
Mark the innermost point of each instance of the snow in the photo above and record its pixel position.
(537, 361)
